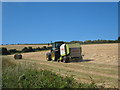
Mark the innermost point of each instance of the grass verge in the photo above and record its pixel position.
(18, 76)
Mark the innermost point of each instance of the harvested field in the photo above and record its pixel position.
(100, 64)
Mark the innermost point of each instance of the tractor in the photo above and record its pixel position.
(64, 52)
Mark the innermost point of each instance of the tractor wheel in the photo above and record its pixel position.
(81, 58)
(65, 59)
(48, 56)
(54, 55)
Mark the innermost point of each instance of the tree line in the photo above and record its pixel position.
(96, 41)
(5, 51)
(99, 41)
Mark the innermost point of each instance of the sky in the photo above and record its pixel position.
(43, 22)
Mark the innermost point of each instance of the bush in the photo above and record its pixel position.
(49, 48)
(4, 51)
(25, 49)
(32, 78)
(44, 47)
(12, 51)
(30, 49)
(37, 49)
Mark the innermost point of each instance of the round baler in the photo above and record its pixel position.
(65, 52)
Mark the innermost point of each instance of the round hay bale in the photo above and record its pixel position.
(17, 56)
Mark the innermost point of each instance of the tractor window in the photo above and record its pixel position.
(53, 46)
(58, 45)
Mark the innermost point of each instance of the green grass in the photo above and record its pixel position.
(98, 79)
(7, 62)
(31, 78)
(19, 76)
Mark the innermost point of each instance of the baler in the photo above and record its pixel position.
(65, 52)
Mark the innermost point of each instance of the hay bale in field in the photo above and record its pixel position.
(17, 56)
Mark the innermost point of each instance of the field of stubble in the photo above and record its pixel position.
(100, 64)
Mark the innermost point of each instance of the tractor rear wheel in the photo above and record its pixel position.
(53, 56)
(48, 56)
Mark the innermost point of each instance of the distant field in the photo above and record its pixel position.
(19, 47)
(100, 63)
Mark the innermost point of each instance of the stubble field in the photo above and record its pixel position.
(100, 64)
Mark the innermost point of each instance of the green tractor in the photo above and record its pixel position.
(64, 52)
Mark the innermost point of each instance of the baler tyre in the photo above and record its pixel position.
(48, 56)
(58, 60)
(65, 59)
(81, 58)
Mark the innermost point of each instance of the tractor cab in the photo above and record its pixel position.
(56, 45)
(55, 51)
